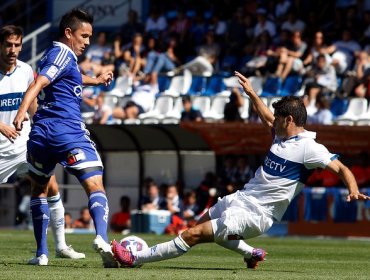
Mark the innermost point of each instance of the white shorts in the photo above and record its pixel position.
(235, 217)
(13, 164)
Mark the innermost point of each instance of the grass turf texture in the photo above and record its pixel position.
(288, 258)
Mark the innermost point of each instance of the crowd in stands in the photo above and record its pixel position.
(316, 49)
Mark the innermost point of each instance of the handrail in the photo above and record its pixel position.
(33, 38)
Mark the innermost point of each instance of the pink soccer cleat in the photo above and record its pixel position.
(258, 255)
(122, 255)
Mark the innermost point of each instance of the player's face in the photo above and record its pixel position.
(9, 49)
(280, 125)
(80, 39)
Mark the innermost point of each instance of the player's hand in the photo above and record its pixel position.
(244, 82)
(105, 78)
(9, 132)
(19, 119)
(357, 196)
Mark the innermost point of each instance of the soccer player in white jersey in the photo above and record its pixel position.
(58, 134)
(15, 77)
(251, 211)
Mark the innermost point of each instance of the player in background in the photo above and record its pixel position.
(15, 77)
(251, 212)
(58, 134)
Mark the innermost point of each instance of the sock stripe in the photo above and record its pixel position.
(97, 194)
(54, 199)
(37, 201)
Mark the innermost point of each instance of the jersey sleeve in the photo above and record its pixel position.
(54, 64)
(317, 155)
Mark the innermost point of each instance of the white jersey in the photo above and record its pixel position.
(12, 89)
(284, 171)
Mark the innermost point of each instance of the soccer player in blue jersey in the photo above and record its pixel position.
(15, 77)
(264, 199)
(58, 134)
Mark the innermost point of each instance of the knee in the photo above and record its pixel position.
(192, 236)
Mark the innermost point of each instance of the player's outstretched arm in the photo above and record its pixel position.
(28, 100)
(348, 179)
(103, 79)
(267, 117)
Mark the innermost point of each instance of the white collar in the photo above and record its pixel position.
(62, 45)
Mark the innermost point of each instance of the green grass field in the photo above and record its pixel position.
(288, 258)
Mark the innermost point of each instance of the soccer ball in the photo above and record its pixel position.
(133, 243)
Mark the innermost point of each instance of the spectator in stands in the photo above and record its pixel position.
(191, 208)
(293, 24)
(363, 88)
(207, 192)
(320, 79)
(68, 222)
(121, 221)
(130, 111)
(131, 54)
(189, 113)
(153, 200)
(130, 28)
(156, 23)
(231, 110)
(180, 26)
(165, 61)
(281, 9)
(263, 24)
(244, 172)
(198, 29)
(84, 221)
(343, 52)
(290, 57)
(89, 98)
(98, 57)
(228, 170)
(323, 115)
(218, 26)
(103, 112)
(176, 207)
(205, 63)
(240, 29)
(318, 47)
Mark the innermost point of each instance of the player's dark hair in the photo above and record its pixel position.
(291, 106)
(9, 30)
(73, 19)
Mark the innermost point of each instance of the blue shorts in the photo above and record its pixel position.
(67, 142)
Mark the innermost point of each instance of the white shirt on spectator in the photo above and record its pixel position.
(156, 25)
(267, 26)
(298, 25)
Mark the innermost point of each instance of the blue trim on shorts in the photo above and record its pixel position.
(90, 174)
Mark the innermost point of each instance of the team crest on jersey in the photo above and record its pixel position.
(77, 90)
(75, 155)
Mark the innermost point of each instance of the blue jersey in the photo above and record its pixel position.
(62, 97)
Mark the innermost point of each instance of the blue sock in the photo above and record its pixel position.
(40, 218)
(99, 210)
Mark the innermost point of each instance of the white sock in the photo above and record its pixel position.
(57, 221)
(163, 251)
(238, 246)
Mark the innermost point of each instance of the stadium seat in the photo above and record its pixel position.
(231, 82)
(198, 85)
(339, 106)
(122, 87)
(180, 84)
(256, 84)
(291, 85)
(216, 111)
(88, 117)
(271, 101)
(169, 120)
(215, 85)
(149, 120)
(244, 111)
(229, 63)
(356, 108)
(364, 119)
(162, 106)
(176, 110)
(202, 103)
(163, 82)
(111, 101)
(271, 87)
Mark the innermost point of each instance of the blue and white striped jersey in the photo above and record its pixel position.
(284, 172)
(62, 97)
(12, 88)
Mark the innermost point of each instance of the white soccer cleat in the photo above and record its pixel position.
(105, 251)
(69, 253)
(41, 260)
